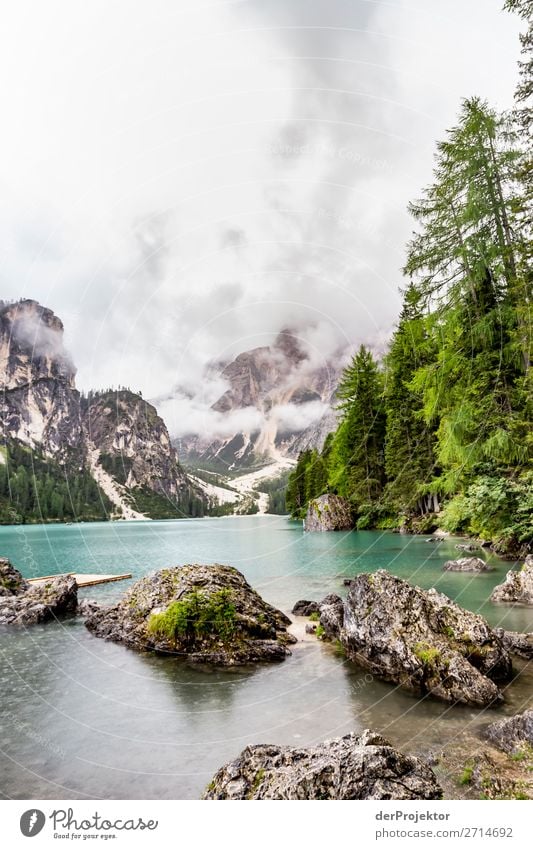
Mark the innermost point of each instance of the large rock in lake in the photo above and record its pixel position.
(22, 603)
(350, 767)
(419, 639)
(466, 564)
(518, 585)
(328, 513)
(207, 614)
(513, 735)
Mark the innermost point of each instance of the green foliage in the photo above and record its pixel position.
(307, 481)
(196, 616)
(356, 467)
(320, 632)
(221, 508)
(34, 488)
(314, 616)
(427, 654)
(117, 465)
(466, 775)
(496, 507)
(186, 504)
(276, 489)
(446, 420)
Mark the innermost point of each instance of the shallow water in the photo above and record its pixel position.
(82, 717)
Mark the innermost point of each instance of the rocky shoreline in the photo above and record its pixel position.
(22, 603)
(417, 639)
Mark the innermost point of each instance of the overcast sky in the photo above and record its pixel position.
(179, 180)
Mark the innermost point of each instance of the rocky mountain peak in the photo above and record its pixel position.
(294, 400)
(288, 344)
(31, 345)
(132, 441)
(39, 405)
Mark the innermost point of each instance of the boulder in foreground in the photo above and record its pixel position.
(518, 585)
(513, 735)
(206, 614)
(419, 639)
(350, 767)
(328, 513)
(22, 603)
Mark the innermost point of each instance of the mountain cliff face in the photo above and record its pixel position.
(293, 400)
(114, 449)
(132, 441)
(39, 403)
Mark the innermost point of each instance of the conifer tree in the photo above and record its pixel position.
(409, 442)
(356, 460)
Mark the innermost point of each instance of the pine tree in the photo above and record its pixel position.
(296, 496)
(356, 460)
(467, 261)
(409, 442)
(524, 91)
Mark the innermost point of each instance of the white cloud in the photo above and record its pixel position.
(180, 181)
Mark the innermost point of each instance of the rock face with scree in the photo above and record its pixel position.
(419, 639)
(350, 767)
(206, 614)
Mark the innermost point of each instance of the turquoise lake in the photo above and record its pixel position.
(80, 717)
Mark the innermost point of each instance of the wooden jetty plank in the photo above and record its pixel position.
(84, 580)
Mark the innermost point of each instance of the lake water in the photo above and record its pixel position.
(80, 717)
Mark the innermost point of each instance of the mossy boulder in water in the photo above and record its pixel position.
(419, 639)
(207, 614)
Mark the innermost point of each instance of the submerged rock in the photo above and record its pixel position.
(328, 513)
(22, 603)
(207, 614)
(467, 564)
(467, 546)
(419, 639)
(350, 767)
(513, 735)
(305, 608)
(518, 585)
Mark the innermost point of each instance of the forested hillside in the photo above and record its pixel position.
(439, 432)
(35, 488)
